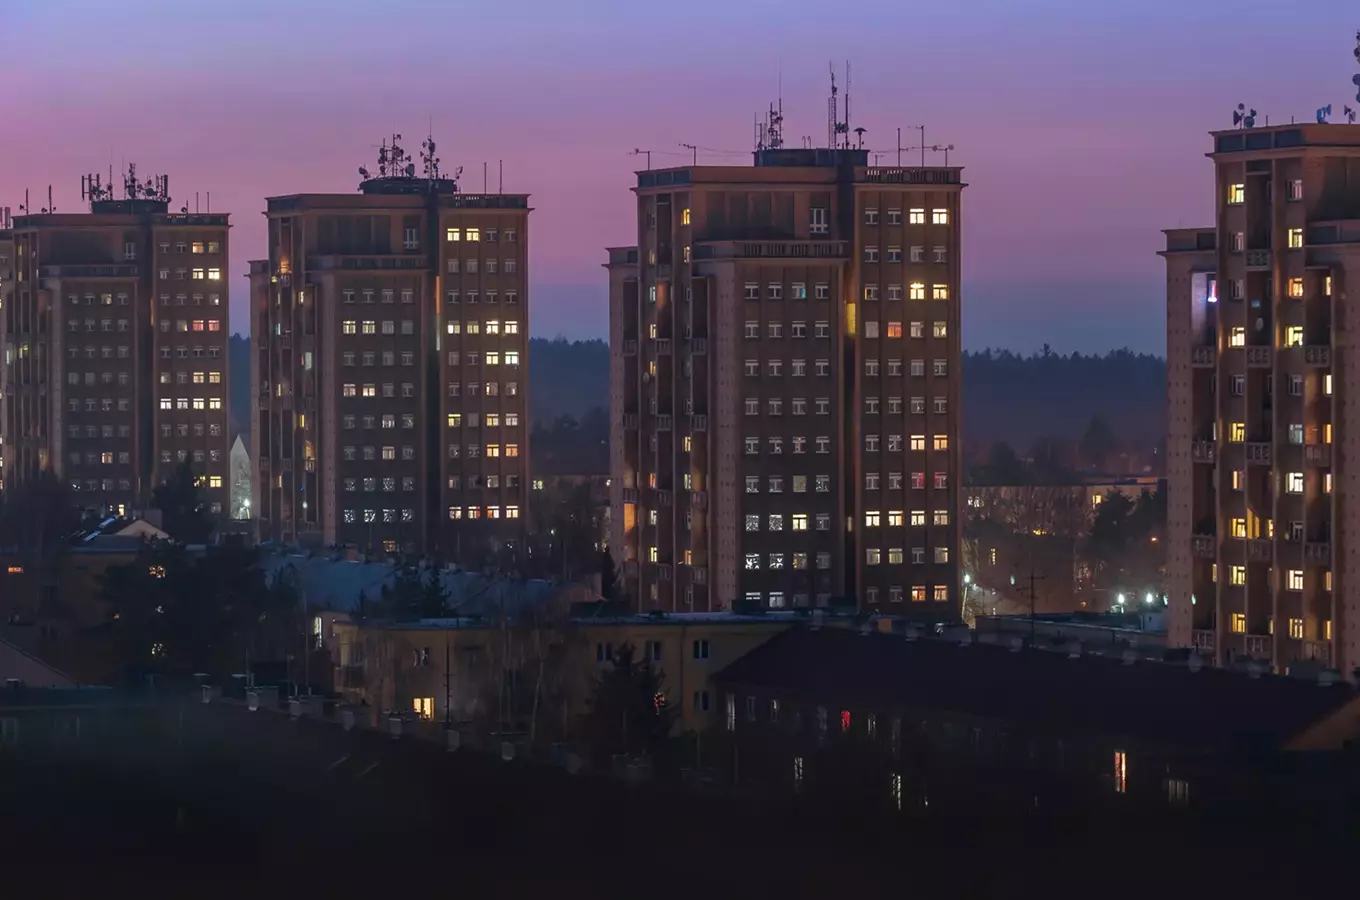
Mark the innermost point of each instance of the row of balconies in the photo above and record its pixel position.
(1261, 453)
(1260, 357)
(1315, 553)
(1203, 639)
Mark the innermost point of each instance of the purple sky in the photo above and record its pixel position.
(1081, 125)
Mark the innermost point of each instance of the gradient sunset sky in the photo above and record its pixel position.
(1081, 125)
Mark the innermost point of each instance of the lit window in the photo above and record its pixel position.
(1296, 287)
(684, 216)
(1237, 193)
(1239, 623)
(1293, 336)
(941, 442)
(872, 518)
(1295, 238)
(1121, 772)
(1293, 580)
(939, 217)
(939, 292)
(1237, 575)
(1239, 528)
(1294, 482)
(1237, 337)
(916, 291)
(916, 217)
(1237, 432)
(474, 234)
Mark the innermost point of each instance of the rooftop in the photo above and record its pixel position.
(1209, 708)
(336, 584)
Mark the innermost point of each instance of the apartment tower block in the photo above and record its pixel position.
(785, 395)
(1263, 436)
(390, 367)
(114, 332)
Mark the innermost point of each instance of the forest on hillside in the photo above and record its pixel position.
(1010, 397)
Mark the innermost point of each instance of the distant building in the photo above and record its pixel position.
(401, 666)
(785, 385)
(242, 480)
(390, 367)
(114, 335)
(894, 725)
(1258, 435)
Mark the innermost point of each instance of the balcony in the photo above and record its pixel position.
(630, 420)
(1258, 550)
(1318, 650)
(630, 347)
(663, 423)
(1258, 357)
(1317, 553)
(1319, 355)
(771, 250)
(699, 346)
(1202, 546)
(1203, 451)
(663, 498)
(1203, 639)
(1203, 357)
(1258, 453)
(698, 423)
(663, 347)
(1317, 455)
(630, 495)
(1258, 259)
(699, 499)
(1258, 646)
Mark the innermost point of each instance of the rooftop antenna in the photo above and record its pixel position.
(922, 147)
(1244, 118)
(646, 153)
(1324, 113)
(429, 163)
(694, 153)
(859, 134)
(846, 124)
(833, 110)
(942, 148)
(1355, 79)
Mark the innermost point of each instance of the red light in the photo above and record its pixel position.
(845, 720)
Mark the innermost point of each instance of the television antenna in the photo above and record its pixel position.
(1245, 118)
(694, 153)
(835, 127)
(942, 148)
(922, 146)
(646, 153)
(1324, 113)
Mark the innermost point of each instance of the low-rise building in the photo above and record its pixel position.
(537, 671)
(887, 723)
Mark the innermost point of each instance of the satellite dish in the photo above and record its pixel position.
(410, 170)
(363, 172)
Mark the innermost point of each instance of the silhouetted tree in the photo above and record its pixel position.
(1097, 444)
(37, 515)
(434, 597)
(629, 712)
(609, 576)
(184, 515)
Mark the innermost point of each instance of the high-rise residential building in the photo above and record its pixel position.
(6, 283)
(114, 334)
(1260, 441)
(785, 390)
(390, 367)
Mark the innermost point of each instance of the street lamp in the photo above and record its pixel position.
(1119, 598)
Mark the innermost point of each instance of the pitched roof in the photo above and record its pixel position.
(1207, 708)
